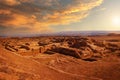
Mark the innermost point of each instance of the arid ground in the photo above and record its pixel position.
(60, 58)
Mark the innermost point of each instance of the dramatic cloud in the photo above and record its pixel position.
(38, 15)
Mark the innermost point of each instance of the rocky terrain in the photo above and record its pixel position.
(60, 58)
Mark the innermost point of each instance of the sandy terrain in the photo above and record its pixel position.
(60, 58)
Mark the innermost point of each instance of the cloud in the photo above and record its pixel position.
(10, 2)
(38, 15)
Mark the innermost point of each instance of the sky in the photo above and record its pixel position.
(27, 17)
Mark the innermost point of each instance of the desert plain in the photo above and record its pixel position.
(60, 58)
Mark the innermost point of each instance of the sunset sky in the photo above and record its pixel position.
(20, 17)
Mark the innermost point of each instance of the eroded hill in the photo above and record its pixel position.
(60, 58)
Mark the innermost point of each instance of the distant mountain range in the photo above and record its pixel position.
(79, 33)
(69, 33)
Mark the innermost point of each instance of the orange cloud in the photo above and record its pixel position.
(5, 12)
(38, 15)
(10, 2)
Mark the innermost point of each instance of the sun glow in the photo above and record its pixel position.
(116, 21)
